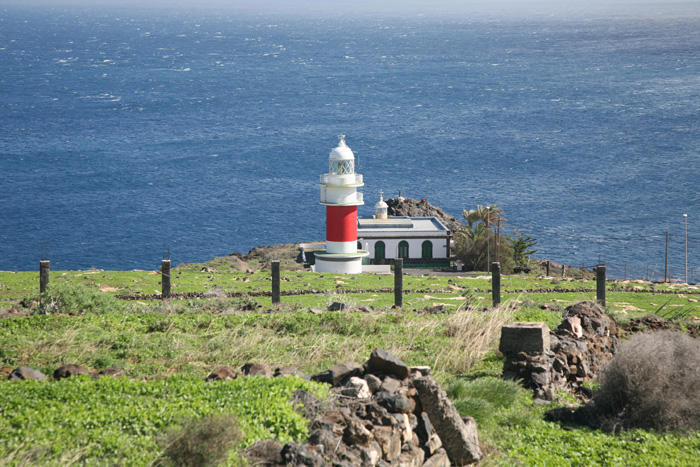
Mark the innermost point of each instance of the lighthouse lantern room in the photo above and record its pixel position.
(340, 196)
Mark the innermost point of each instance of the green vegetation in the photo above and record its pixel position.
(228, 320)
(522, 246)
(513, 430)
(98, 422)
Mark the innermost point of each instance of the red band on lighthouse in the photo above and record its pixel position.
(341, 223)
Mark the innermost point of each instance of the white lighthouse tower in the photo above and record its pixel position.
(339, 195)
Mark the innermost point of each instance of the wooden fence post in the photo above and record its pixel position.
(276, 282)
(600, 284)
(165, 279)
(44, 275)
(496, 283)
(398, 282)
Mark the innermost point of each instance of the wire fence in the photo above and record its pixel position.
(652, 273)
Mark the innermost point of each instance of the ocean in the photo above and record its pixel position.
(125, 133)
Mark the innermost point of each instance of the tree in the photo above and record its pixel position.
(522, 245)
(471, 216)
(473, 232)
(475, 244)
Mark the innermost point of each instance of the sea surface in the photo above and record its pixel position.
(127, 132)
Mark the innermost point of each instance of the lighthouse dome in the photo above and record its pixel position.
(381, 205)
(342, 152)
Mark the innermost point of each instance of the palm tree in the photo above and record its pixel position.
(471, 216)
(492, 215)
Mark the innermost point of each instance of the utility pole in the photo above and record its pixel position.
(666, 260)
(685, 216)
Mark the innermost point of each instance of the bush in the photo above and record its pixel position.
(64, 298)
(474, 252)
(202, 442)
(652, 383)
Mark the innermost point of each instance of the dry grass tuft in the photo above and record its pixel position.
(652, 383)
(474, 333)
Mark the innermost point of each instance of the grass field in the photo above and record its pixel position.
(230, 320)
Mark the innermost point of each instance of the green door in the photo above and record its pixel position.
(427, 250)
(379, 250)
(403, 249)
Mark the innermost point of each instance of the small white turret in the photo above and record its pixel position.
(381, 208)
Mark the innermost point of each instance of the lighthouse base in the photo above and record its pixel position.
(341, 263)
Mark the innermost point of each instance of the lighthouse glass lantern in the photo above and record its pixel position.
(340, 196)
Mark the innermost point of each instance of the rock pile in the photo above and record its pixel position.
(413, 208)
(564, 359)
(383, 414)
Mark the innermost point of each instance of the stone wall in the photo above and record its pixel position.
(383, 414)
(563, 359)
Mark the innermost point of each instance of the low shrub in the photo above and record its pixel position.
(652, 383)
(78, 299)
(201, 442)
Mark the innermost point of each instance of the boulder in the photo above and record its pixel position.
(460, 440)
(264, 453)
(389, 438)
(357, 387)
(302, 455)
(24, 372)
(382, 362)
(343, 371)
(66, 371)
(287, 371)
(337, 306)
(390, 384)
(373, 382)
(439, 459)
(356, 433)
(530, 337)
(256, 369)
(110, 372)
(395, 403)
(222, 374)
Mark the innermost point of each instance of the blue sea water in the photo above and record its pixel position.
(122, 131)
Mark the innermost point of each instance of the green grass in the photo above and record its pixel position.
(542, 443)
(86, 324)
(194, 343)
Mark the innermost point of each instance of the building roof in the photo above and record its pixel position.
(406, 226)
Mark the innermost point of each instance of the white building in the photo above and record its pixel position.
(420, 241)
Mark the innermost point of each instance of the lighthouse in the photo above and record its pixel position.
(340, 196)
